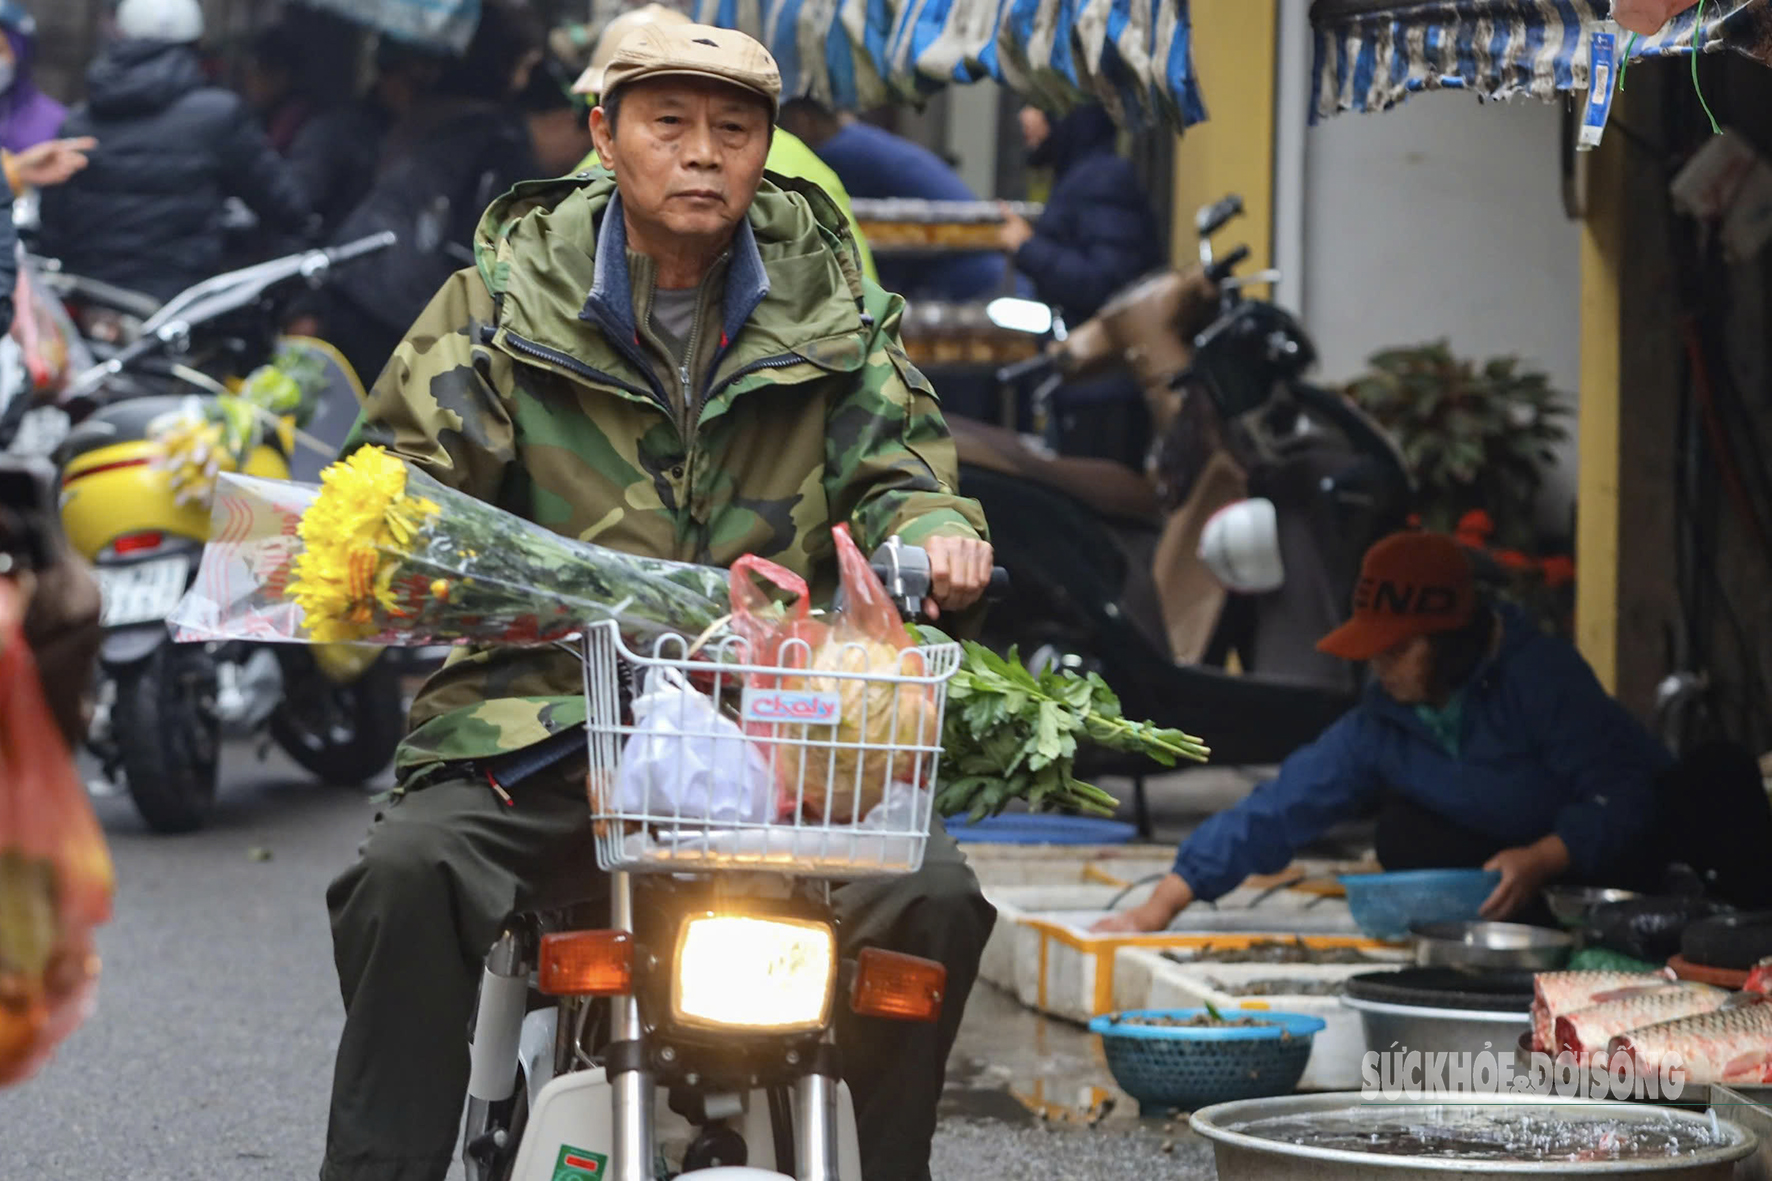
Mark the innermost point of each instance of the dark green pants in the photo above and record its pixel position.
(445, 865)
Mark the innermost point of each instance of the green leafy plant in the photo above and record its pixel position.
(1473, 438)
(1011, 734)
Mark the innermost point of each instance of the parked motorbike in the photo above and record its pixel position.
(39, 356)
(164, 708)
(717, 1047)
(1109, 560)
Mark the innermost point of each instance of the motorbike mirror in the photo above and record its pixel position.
(1020, 315)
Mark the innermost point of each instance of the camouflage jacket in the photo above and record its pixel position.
(522, 384)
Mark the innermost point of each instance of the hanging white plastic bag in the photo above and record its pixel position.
(688, 762)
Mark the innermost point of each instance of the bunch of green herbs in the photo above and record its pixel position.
(1013, 734)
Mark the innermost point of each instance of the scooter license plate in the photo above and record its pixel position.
(141, 591)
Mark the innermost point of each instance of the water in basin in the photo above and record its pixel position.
(1470, 1133)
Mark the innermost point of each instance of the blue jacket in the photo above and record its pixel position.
(1098, 232)
(1543, 749)
(873, 163)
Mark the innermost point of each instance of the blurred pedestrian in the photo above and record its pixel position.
(1097, 234)
(146, 214)
(559, 121)
(458, 147)
(272, 85)
(337, 153)
(788, 154)
(874, 163)
(27, 116)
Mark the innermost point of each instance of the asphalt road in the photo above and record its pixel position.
(210, 1054)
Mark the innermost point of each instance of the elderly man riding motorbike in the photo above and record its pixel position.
(675, 355)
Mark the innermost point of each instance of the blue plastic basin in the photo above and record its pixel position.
(1385, 905)
(1022, 828)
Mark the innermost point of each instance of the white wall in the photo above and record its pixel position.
(1444, 218)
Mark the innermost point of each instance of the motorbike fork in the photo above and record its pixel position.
(632, 1088)
(630, 1082)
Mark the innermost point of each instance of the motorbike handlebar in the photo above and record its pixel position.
(1221, 270)
(996, 591)
(1214, 217)
(1027, 368)
(351, 251)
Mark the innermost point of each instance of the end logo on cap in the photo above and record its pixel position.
(1405, 598)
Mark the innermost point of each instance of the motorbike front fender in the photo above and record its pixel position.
(133, 644)
(573, 1114)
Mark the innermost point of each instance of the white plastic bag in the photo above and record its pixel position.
(690, 761)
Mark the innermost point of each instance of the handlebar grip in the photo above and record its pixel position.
(1027, 368)
(1221, 270)
(1214, 217)
(999, 587)
(355, 250)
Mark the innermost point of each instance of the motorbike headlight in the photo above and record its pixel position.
(772, 975)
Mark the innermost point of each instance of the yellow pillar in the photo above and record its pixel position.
(1597, 437)
(1235, 44)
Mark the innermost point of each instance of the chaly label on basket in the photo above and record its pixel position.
(787, 705)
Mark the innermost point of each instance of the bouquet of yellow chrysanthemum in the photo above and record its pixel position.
(383, 553)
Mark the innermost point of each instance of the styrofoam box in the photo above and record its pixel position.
(1048, 865)
(1147, 979)
(1049, 959)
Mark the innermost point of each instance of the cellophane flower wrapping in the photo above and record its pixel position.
(381, 553)
(56, 878)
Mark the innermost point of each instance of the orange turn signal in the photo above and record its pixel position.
(586, 963)
(901, 987)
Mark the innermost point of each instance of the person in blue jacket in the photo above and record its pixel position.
(1483, 741)
(1097, 234)
(874, 163)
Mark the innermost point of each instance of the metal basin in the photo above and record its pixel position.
(1454, 1031)
(1242, 1157)
(1490, 945)
(1751, 1107)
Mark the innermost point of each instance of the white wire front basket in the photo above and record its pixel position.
(822, 764)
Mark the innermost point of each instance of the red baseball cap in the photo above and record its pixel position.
(1411, 584)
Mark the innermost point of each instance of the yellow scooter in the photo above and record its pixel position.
(141, 515)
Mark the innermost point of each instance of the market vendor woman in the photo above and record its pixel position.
(1482, 741)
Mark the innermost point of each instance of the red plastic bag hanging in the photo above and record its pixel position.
(55, 872)
(880, 731)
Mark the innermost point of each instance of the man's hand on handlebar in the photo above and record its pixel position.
(959, 573)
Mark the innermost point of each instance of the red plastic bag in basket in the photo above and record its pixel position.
(838, 742)
(55, 872)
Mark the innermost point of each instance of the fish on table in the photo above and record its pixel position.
(1721, 1046)
(1557, 993)
(1590, 1029)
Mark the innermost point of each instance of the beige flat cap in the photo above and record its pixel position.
(659, 50)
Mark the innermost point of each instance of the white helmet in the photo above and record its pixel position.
(179, 21)
(1241, 546)
(591, 81)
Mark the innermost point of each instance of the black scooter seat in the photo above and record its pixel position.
(1111, 489)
